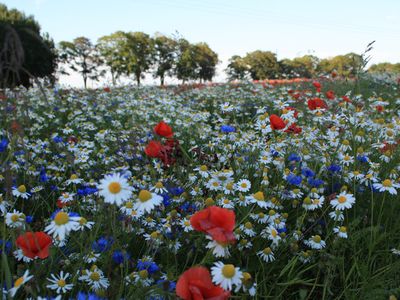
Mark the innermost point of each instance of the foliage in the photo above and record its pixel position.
(237, 68)
(262, 65)
(82, 56)
(164, 56)
(24, 52)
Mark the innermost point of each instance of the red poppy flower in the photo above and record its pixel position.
(107, 89)
(195, 284)
(276, 122)
(316, 103)
(153, 149)
(317, 85)
(163, 129)
(345, 98)
(34, 244)
(293, 128)
(330, 95)
(216, 221)
(379, 108)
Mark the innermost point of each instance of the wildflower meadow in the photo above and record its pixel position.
(230, 191)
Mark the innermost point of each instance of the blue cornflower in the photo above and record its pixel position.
(307, 172)
(294, 157)
(119, 256)
(102, 244)
(227, 128)
(58, 139)
(3, 144)
(293, 179)
(362, 158)
(315, 182)
(150, 266)
(334, 168)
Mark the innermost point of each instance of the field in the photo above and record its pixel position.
(241, 190)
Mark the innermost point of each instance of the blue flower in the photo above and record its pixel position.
(293, 179)
(294, 157)
(7, 246)
(3, 144)
(58, 139)
(334, 168)
(29, 219)
(227, 128)
(307, 172)
(362, 158)
(119, 256)
(150, 266)
(315, 182)
(88, 296)
(102, 244)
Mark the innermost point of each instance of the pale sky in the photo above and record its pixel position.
(289, 28)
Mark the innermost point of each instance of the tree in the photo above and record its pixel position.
(82, 57)
(344, 65)
(206, 61)
(237, 68)
(138, 53)
(262, 64)
(185, 68)
(385, 68)
(24, 51)
(164, 56)
(111, 49)
(304, 67)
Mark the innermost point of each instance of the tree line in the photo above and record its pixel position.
(26, 53)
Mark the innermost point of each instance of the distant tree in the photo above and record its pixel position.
(111, 48)
(164, 56)
(262, 65)
(24, 52)
(138, 54)
(344, 65)
(304, 67)
(237, 68)
(206, 61)
(82, 56)
(185, 68)
(385, 68)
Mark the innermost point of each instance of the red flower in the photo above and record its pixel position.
(317, 85)
(345, 98)
(34, 244)
(293, 128)
(107, 89)
(330, 95)
(195, 283)
(276, 122)
(163, 129)
(316, 103)
(217, 222)
(379, 108)
(153, 149)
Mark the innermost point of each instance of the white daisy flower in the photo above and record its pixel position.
(66, 197)
(315, 242)
(146, 201)
(59, 283)
(259, 199)
(95, 278)
(19, 282)
(159, 188)
(115, 189)
(341, 231)
(218, 250)
(203, 171)
(226, 275)
(4, 205)
(20, 192)
(74, 179)
(243, 185)
(19, 255)
(387, 186)
(267, 255)
(15, 219)
(343, 201)
(62, 224)
(336, 215)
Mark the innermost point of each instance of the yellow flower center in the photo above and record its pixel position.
(61, 218)
(274, 233)
(387, 183)
(186, 223)
(228, 271)
(307, 201)
(229, 186)
(82, 221)
(129, 204)
(271, 213)
(243, 185)
(66, 195)
(61, 283)
(73, 177)
(343, 229)
(18, 282)
(346, 142)
(95, 276)
(342, 199)
(159, 185)
(317, 239)
(22, 189)
(15, 218)
(246, 277)
(226, 201)
(143, 274)
(114, 187)
(267, 251)
(154, 235)
(347, 158)
(144, 196)
(209, 202)
(261, 215)
(259, 196)
(248, 225)
(203, 168)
